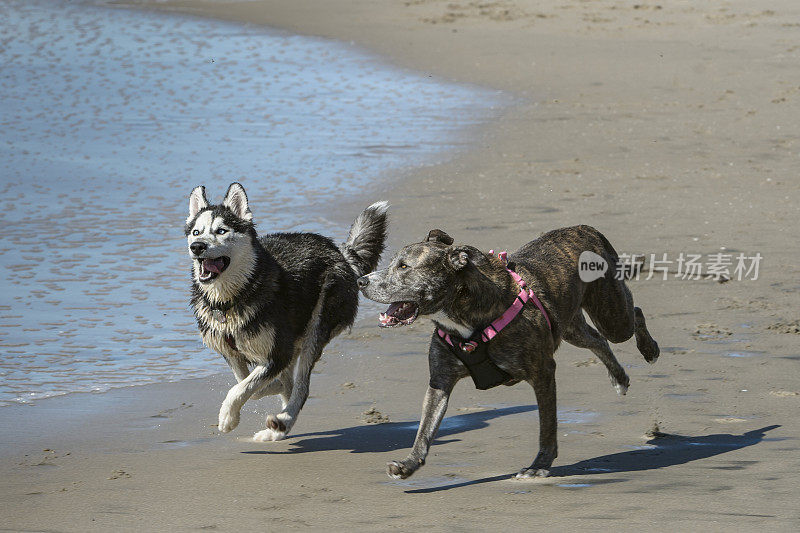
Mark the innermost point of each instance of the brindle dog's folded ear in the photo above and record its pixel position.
(438, 235)
(458, 258)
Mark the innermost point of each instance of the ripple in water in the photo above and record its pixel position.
(109, 117)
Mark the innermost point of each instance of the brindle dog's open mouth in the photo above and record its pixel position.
(399, 314)
(211, 268)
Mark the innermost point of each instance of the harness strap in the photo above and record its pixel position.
(467, 346)
(525, 295)
(505, 319)
(484, 372)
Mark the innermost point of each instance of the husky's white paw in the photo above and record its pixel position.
(269, 435)
(620, 388)
(277, 428)
(228, 417)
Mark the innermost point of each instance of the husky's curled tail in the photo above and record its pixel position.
(366, 240)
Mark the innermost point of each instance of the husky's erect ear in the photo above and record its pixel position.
(438, 235)
(458, 257)
(197, 202)
(236, 201)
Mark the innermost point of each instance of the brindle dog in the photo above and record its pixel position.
(463, 290)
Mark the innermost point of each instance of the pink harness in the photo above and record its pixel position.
(505, 319)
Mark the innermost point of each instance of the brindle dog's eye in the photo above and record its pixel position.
(402, 266)
(221, 231)
(196, 232)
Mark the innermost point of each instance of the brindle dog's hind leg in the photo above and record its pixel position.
(580, 334)
(644, 342)
(544, 385)
(609, 304)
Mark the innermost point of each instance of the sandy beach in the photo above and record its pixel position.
(671, 127)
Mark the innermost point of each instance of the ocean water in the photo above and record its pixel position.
(109, 117)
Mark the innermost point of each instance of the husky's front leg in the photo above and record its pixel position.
(433, 409)
(295, 391)
(238, 364)
(240, 393)
(294, 395)
(279, 385)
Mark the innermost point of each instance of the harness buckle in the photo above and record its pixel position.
(469, 346)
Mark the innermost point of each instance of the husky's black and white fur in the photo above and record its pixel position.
(270, 304)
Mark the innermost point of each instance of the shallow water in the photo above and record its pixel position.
(109, 117)
(743, 354)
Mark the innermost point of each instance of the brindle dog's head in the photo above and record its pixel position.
(423, 278)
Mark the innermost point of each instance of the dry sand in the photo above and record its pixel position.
(671, 127)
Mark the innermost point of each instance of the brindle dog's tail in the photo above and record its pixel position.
(367, 239)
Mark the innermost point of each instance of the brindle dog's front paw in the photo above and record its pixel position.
(530, 473)
(540, 466)
(401, 469)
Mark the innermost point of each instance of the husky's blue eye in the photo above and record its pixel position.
(221, 231)
(196, 232)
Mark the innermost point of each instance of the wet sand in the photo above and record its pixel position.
(671, 129)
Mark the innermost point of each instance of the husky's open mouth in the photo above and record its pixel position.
(399, 314)
(211, 268)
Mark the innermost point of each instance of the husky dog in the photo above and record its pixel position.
(501, 322)
(270, 304)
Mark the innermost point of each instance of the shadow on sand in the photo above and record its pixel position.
(661, 450)
(376, 438)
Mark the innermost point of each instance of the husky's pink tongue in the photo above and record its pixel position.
(213, 265)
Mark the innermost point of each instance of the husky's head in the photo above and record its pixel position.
(220, 240)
